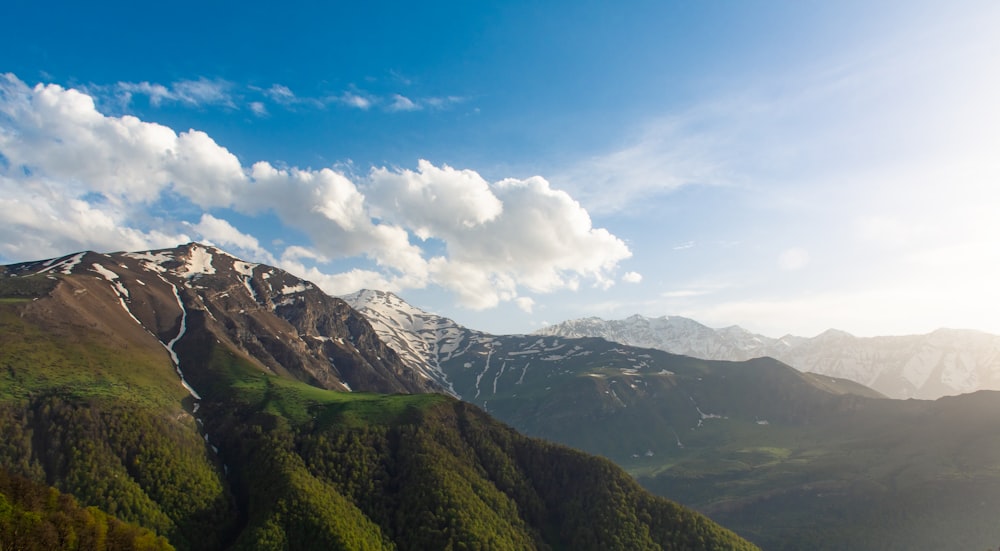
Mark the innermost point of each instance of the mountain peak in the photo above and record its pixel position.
(422, 339)
(372, 296)
(834, 334)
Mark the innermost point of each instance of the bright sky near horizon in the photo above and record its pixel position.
(785, 166)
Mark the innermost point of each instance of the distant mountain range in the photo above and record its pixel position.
(222, 404)
(943, 363)
(790, 459)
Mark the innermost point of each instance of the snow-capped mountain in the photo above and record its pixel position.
(423, 340)
(945, 362)
(674, 334)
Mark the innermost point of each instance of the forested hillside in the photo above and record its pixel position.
(36, 517)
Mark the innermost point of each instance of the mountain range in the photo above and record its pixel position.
(187, 399)
(789, 459)
(942, 363)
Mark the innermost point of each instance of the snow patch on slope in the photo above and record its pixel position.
(199, 261)
(421, 339)
(153, 262)
(64, 266)
(244, 268)
(180, 333)
(119, 290)
(292, 289)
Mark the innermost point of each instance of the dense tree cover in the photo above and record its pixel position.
(313, 469)
(128, 462)
(37, 517)
(287, 507)
(442, 475)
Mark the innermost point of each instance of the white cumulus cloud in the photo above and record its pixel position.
(436, 202)
(73, 178)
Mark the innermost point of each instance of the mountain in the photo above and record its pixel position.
(205, 400)
(789, 459)
(674, 334)
(945, 362)
(422, 340)
(284, 324)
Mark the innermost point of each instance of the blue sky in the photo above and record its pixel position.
(784, 166)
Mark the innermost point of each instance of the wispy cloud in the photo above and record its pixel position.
(258, 108)
(402, 103)
(206, 92)
(195, 93)
(442, 102)
(280, 94)
(358, 100)
(399, 102)
(914, 94)
(668, 154)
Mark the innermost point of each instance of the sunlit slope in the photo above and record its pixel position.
(36, 517)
